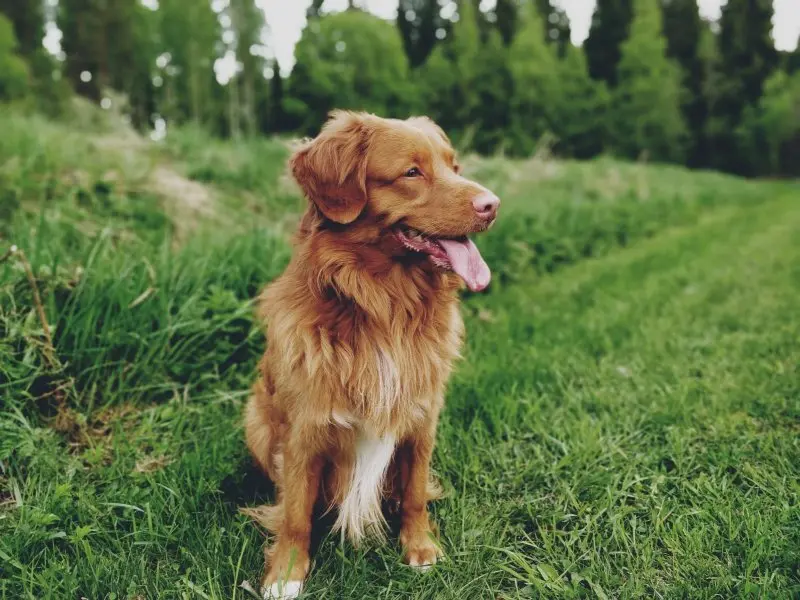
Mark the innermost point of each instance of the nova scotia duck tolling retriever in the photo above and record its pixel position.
(363, 328)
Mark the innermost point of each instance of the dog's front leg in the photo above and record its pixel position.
(288, 560)
(416, 535)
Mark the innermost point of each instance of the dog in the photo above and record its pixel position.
(363, 328)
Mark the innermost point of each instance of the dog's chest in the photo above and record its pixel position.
(403, 366)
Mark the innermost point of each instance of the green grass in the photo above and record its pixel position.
(624, 424)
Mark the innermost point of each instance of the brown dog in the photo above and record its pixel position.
(363, 328)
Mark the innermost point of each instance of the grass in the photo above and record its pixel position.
(624, 424)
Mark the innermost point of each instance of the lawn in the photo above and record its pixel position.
(625, 422)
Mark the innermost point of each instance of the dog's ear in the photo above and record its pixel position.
(332, 168)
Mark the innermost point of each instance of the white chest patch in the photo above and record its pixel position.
(360, 512)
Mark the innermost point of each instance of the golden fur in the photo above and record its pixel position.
(361, 336)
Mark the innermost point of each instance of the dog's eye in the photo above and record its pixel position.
(413, 172)
(457, 168)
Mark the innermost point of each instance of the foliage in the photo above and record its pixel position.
(27, 19)
(533, 65)
(418, 22)
(500, 77)
(348, 60)
(13, 70)
(189, 34)
(647, 115)
(770, 131)
(609, 29)
(747, 58)
(581, 116)
(683, 30)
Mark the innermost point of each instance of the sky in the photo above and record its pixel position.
(286, 19)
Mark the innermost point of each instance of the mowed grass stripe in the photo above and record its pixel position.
(645, 372)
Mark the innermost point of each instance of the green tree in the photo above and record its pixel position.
(134, 75)
(609, 29)
(580, 116)
(277, 119)
(189, 34)
(505, 13)
(85, 44)
(448, 78)
(493, 88)
(107, 46)
(536, 93)
(48, 91)
(683, 28)
(793, 59)
(13, 71)
(418, 22)
(647, 100)
(556, 25)
(747, 58)
(709, 137)
(249, 88)
(770, 130)
(27, 17)
(348, 60)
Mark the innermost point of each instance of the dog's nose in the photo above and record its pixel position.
(486, 205)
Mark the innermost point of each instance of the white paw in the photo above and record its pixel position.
(282, 591)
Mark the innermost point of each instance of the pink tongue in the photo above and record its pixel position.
(466, 260)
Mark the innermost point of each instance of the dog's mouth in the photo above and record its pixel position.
(458, 254)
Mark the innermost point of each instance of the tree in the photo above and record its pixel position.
(348, 60)
(278, 120)
(683, 28)
(793, 59)
(747, 58)
(27, 18)
(314, 9)
(708, 138)
(448, 78)
(48, 93)
(505, 12)
(493, 88)
(249, 28)
(418, 22)
(85, 44)
(190, 36)
(647, 99)
(556, 25)
(107, 45)
(610, 24)
(770, 130)
(536, 87)
(580, 117)
(136, 79)
(13, 71)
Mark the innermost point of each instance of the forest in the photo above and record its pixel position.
(653, 80)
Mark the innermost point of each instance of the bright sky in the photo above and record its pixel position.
(286, 19)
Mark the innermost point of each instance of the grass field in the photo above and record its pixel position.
(625, 423)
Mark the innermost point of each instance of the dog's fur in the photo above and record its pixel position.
(361, 337)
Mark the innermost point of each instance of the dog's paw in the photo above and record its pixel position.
(282, 590)
(422, 555)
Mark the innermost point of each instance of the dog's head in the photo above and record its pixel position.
(401, 179)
